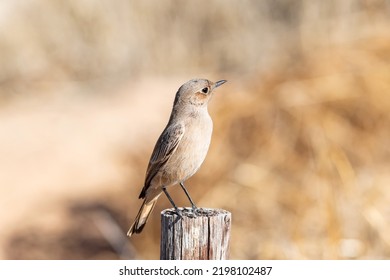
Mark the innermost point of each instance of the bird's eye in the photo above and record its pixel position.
(205, 90)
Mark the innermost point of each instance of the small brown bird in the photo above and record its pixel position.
(181, 148)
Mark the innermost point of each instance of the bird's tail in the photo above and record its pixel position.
(142, 217)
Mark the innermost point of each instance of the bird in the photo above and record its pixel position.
(181, 148)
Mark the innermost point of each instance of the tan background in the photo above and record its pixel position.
(300, 153)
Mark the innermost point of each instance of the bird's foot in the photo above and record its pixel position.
(178, 212)
(195, 210)
(192, 212)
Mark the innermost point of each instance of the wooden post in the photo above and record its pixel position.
(202, 237)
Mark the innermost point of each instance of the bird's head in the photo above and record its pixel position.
(196, 92)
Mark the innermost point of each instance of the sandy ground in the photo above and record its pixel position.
(57, 148)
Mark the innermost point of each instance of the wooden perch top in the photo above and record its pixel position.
(204, 236)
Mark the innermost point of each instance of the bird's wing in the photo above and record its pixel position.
(165, 147)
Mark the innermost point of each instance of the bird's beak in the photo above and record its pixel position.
(219, 83)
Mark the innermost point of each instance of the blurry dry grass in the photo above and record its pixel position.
(300, 152)
(309, 179)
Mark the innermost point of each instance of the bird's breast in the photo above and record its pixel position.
(193, 147)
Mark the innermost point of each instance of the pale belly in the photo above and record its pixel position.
(190, 153)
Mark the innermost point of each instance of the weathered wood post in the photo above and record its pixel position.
(205, 236)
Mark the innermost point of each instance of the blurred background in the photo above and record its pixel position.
(300, 152)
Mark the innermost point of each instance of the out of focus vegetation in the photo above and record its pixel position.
(300, 153)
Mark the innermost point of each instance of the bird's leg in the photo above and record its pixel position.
(171, 201)
(194, 208)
